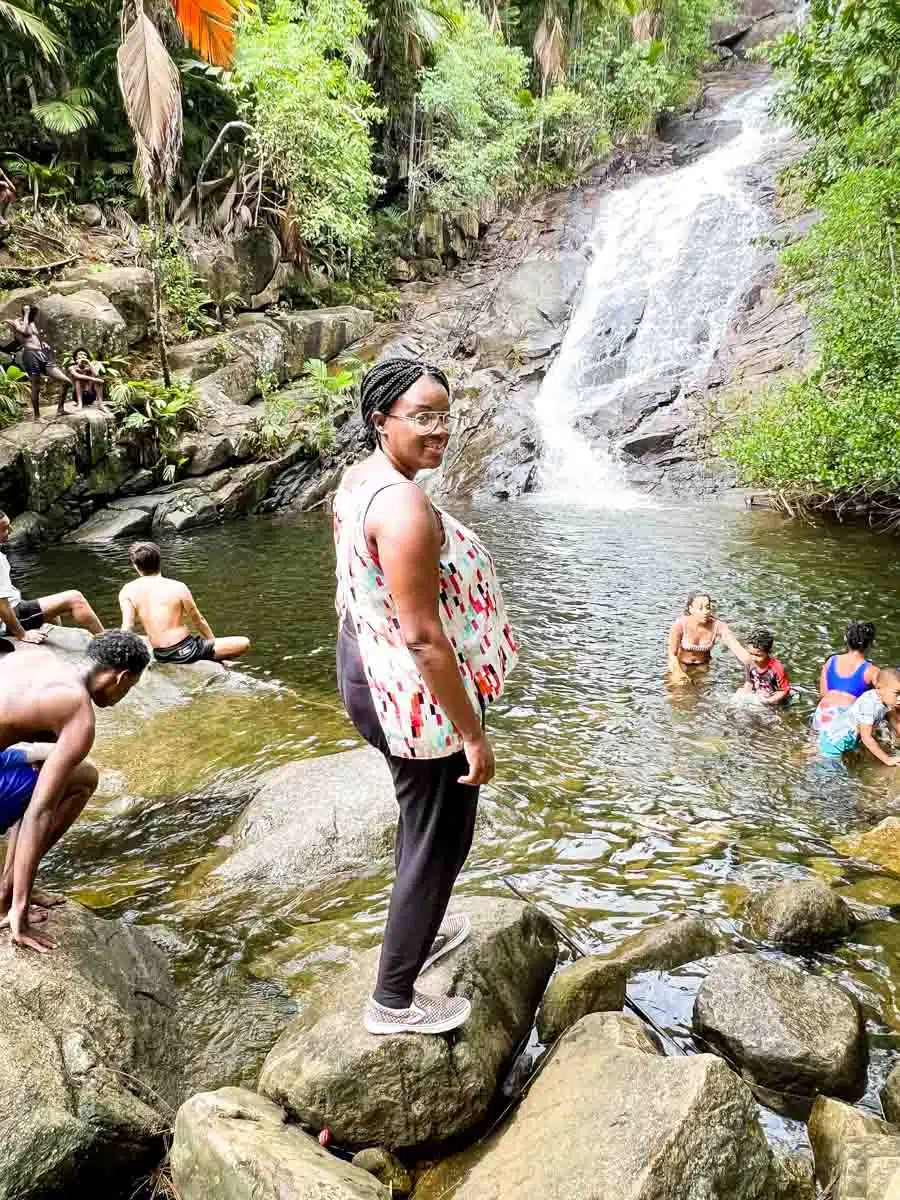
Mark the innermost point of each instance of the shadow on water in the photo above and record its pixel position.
(619, 803)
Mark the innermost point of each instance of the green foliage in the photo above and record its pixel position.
(14, 392)
(184, 297)
(479, 124)
(308, 412)
(152, 416)
(837, 432)
(823, 437)
(572, 128)
(298, 80)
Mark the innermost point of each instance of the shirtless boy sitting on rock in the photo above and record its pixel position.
(166, 609)
(44, 786)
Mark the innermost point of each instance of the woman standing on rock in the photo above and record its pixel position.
(424, 645)
(693, 636)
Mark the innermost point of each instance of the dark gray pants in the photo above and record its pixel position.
(434, 835)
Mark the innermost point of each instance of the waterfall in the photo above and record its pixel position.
(671, 254)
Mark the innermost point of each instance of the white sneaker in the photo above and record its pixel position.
(426, 1014)
(452, 933)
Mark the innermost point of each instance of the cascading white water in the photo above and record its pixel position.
(672, 254)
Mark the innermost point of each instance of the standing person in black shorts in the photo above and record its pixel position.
(24, 618)
(38, 359)
(167, 610)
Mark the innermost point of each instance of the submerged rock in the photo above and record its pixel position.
(387, 1169)
(591, 985)
(880, 845)
(667, 946)
(414, 1090)
(306, 822)
(90, 1058)
(799, 914)
(786, 1030)
(609, 1118)
(234, 1145)
(836, 1128)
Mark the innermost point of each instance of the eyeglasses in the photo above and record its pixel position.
(426, 422)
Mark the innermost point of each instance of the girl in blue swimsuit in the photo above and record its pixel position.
(846, 676)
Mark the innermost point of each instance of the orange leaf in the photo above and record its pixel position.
(209, 27)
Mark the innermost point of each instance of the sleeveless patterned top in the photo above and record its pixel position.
(472, 613)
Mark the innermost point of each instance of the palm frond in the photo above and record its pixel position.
(67, 115)
(33, 28)
(151, 91)
(209, 27)
(550, 49)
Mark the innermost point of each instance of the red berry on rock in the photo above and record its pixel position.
(324, 1136)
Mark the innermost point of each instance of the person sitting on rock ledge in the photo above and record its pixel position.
(38, 359)
(166, 609)
(89, 382)
(44, 787)
(423, 647)
(23, 618)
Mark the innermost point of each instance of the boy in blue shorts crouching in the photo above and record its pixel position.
(855, 724)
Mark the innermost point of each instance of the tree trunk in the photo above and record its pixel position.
(156, 254)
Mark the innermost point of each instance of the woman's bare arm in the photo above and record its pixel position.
(733, 644)
(408, 539)
(674, 643)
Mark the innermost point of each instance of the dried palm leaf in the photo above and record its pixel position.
(209, 27)
(550, 49)
(151, 90)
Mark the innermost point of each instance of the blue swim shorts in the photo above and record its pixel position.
(835, 747)
(17, 782)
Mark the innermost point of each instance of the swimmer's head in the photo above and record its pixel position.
(117, 660)
(759, 644)
(145, 558)
(699, 604)
(888, 687)
(860, 635)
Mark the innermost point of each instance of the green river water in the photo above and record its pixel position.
(618, 803)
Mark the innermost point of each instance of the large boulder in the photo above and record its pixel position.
(791, 1034)
(90, 1058)
(234, 1145)
(112, 523)
(241, 266)
(839, 1132)
(591, 985)
(799, 914)
(321, 334)
(128, 289)
(86, 318)
(346, 819)
(880, 845)
(411, 1090)
(890, 1096)
(609, 1118)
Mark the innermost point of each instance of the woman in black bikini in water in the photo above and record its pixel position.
(693, 636)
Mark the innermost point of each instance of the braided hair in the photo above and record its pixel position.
(386, 382)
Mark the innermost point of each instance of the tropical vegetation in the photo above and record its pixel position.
(318, 115)
(832, 438)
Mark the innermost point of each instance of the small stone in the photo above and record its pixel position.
(325, 1136)
(591, 985)
(386, 1168)
(799, 914)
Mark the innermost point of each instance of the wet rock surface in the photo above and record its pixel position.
(879, 846)
(668, 945)
(790, 1033)
(838, 1132)
(799, 914)
(609, 1118)
(233, 1145)
(415, 1090)
(591, 985)
(91, 1064)
(305, 822)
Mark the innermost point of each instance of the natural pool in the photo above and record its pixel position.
(618, 802)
